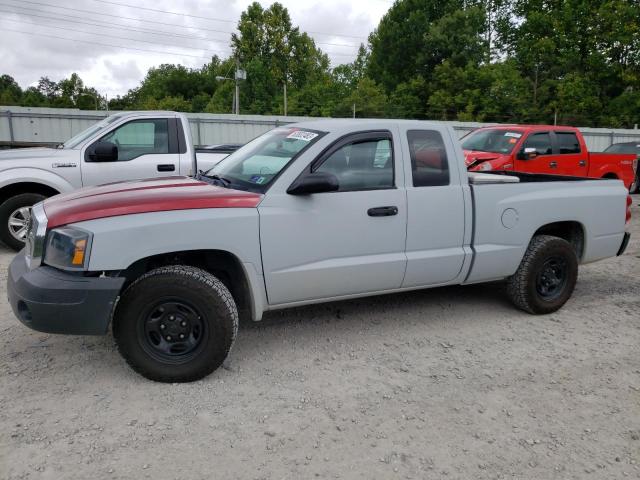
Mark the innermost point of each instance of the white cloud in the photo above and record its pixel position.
(39, 39)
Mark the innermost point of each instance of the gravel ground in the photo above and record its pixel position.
(447, 383)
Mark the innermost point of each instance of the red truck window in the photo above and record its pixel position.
(540, 141)
(568, 142)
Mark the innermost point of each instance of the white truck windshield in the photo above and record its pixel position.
(255, 165)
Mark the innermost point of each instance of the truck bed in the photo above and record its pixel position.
(505, 213)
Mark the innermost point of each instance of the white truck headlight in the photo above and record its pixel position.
(486, 167)
(68, 248)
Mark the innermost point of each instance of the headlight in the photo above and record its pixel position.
(486, 167)
(68, 248)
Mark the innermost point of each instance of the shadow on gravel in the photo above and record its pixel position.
(391, 306)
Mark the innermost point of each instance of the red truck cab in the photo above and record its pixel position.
(546, 149)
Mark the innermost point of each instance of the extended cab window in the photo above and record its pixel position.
(365, 164)
(140, 137)
(540, 141)
(568, 142)
(429, 163)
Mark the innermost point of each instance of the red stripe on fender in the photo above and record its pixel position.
(145, 196)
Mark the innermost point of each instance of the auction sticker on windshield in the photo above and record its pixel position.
(302, 135)
(513, 134)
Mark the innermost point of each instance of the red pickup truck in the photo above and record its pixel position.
(544, 149)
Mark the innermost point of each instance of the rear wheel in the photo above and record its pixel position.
(546, 276)
(175, 324)
(15, 213)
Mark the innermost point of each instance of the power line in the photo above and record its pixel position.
(80, 20)
(106, 44)
(125, 27)
(160, 23)
(102, 23)
(182, 14)
(117, 37)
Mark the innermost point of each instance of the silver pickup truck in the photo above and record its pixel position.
(124, 146)
(314, 212)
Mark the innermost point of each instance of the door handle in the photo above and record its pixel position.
(166, 167)
(553, 164)
(582, 163)
(382, 211)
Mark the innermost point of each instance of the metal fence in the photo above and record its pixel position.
(22, 126)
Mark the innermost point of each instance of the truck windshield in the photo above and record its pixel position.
(73, 142)
(494, 141)
(254, 166)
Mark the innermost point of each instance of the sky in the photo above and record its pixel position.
(112, 43)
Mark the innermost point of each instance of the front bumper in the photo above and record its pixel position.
(52, 301)
(624, 244)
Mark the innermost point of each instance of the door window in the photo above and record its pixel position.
(429, 163)
(568, 143)
(361, 165)
(140, 137)
(540, 141)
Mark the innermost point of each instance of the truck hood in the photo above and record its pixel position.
(474, 158)
(37, 157)
(143, 196)
(30, 153)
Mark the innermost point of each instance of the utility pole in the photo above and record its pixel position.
(285, 96)
(354, 110)
(237, 86)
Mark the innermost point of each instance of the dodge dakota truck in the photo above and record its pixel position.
(124, 146)
(314, 212)
(544, 149)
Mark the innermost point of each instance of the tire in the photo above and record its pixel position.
(152, 312)
(635, 186)
(10, 210)
(546, 276)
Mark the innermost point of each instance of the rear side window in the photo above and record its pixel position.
(429, 163)
(540, 141)
(568, 142)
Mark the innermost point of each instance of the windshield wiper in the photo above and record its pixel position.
(213, 179)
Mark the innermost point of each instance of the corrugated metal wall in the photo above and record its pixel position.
(54, 125)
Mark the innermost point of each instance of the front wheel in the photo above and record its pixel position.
(175, 324)
(15, 213)
(635, 186)
(546, 276)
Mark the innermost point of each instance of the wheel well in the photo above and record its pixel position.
(572, 232)
(611, 176)
(224, 265)
(26, 187)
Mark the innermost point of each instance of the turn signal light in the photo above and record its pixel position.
(629, 201)
(78, 253)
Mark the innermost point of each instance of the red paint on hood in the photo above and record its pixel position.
(143, 196)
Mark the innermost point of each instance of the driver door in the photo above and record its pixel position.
(345, 242)
(544, 160)
(147, 148)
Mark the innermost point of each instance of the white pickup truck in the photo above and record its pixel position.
(313, 212)
(124, 146)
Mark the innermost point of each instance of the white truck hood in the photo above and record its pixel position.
(36, 157)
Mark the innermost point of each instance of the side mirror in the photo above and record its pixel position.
(529, 153)
(104, 152)
(317, 182)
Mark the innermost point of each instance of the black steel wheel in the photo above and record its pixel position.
(546, 276)
(175, 324)
(552, 278)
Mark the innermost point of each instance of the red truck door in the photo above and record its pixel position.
(570, 154)
(540, 162)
